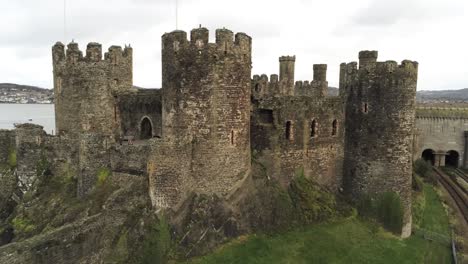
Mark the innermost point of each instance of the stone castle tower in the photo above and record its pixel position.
(206, 104)
(380, 111)
(85, 87)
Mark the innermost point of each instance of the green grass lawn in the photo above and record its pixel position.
(346, 241)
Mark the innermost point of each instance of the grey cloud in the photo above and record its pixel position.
(379, 13)
(43, 25)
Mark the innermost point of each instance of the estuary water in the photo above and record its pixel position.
(41, 114)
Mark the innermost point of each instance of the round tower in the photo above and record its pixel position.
(380, 114)
(85, 87)
(206, 103)
(286, 75)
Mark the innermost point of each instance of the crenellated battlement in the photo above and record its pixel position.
(380, 100)
(378, 71)
(85, 86)
(281, 86)
(72, 54)
(226, 43)
(261, 86)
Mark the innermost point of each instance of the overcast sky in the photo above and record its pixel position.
(432, 32)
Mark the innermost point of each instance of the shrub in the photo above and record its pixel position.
(390, 211)
(22, 225)
(416, 183)
(422, 167)
(366, 207)
(102, 175)
(12, 158)
(43, 167)
(313, 203)
(157, 244)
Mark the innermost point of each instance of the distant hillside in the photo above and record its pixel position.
(17, 93)
(333, 91)
(24, 94)
(14, 86)
(443, 96)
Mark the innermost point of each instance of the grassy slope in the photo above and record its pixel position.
(347, 241)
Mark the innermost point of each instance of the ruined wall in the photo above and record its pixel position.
(7, 144)
(94, 158)
(133, 107)
(85, 87)
(62, 154)
(29, 153)
(130, 159)
(380, 113)
(291, 135)
(170, 172)
(206, 105)
(442, 130)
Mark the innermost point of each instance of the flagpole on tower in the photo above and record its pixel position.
(177, 14)
(65, 20)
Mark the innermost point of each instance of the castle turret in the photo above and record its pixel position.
(85, 87)
(286, 76)
(206, 103)
(380, 103)
(367, 57)
(320, 84)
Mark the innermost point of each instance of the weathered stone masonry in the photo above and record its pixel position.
(300, 131)
(380, 113)
(198, 132)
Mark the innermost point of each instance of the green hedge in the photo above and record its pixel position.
(385, 208)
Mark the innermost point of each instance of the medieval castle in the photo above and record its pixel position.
(202, 129)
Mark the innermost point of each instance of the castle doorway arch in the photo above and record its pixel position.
(428, 155)
(451, 159)
(146, 128)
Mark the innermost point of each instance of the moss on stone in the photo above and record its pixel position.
(102, 175)
(313, 203)
(22, 225)
(157, 244)
(120, 252)
(12, 158)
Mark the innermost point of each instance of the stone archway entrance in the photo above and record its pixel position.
(428, 155)
(451, 159)
(146, 129)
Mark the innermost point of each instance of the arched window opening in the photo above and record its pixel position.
(59, 85)
(288, 132)
(146, 129)
(232, 137)
(257, 87)
(199, 43)
(313, 128)
(428, 155)
(334, 127)
(176, 46)
(451, 159)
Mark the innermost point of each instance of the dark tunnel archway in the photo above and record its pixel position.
(428, 155)
(451, 159)
(146, 129)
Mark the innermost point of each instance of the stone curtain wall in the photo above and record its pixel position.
(380, 114)
(319, 156)
(134, 106)
(278, 106)
(7, 144)
(441, 129)
(29, 153)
